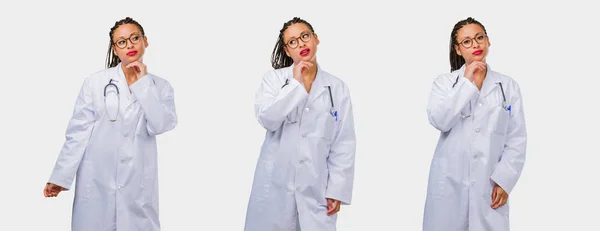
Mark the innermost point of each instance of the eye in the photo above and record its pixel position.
(135, 38)
(466, 42)
(292, 42)
(480, 38)
(305, 35)
(121, 42)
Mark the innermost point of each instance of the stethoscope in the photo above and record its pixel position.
(504, 103)
(116, 90)
(332, 110)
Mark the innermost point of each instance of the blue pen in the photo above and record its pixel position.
(335, 114)
(509, 111)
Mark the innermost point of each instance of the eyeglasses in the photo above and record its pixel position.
(304, 36)
(134, 39)
(479, 38)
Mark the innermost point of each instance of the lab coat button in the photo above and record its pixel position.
(474, 157)
(306, 109)
(126, 135)
(303, 135)
(477, 130)
(301, 161)
(480, 104)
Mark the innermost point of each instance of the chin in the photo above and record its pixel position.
(131, 59)
(307, 58)
(479, 58)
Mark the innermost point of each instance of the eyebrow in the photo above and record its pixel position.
(467, 37)
(133, 33)
(301, 33)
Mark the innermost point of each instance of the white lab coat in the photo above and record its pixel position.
(307, 156)
(115, 162)
(473, 153)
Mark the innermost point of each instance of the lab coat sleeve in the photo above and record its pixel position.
(509, 169)
(341, 155)
(273, 103)
(158, 104)
(446, 102)
(79, 130)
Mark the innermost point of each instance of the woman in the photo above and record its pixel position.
(111, 139)
(481, 149)
(306, 166)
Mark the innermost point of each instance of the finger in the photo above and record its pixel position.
(497, 202)
(478, 62)
(307, 64)
(330, 206)
(336, 207)
(495, 198)
(132, 64)
(483, 66)
(480, 66)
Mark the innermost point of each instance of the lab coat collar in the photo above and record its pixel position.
(121, 81)
(489, 83)
(319, 86)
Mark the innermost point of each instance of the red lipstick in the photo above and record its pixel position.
(131, 53)
(304, 52)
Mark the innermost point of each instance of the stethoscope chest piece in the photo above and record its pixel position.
(332, 111)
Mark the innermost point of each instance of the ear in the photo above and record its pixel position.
(317, 39)
(457, 49)
(285, 48)
(145, 41)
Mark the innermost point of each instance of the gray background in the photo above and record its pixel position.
(215, 53)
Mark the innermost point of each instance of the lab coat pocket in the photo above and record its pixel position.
(85, 179)
(499, 120)
(437, 177)
(498, 215)
(325, 126)
(323, 179)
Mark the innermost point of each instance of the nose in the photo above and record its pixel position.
(129, 44)
(301, 43)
